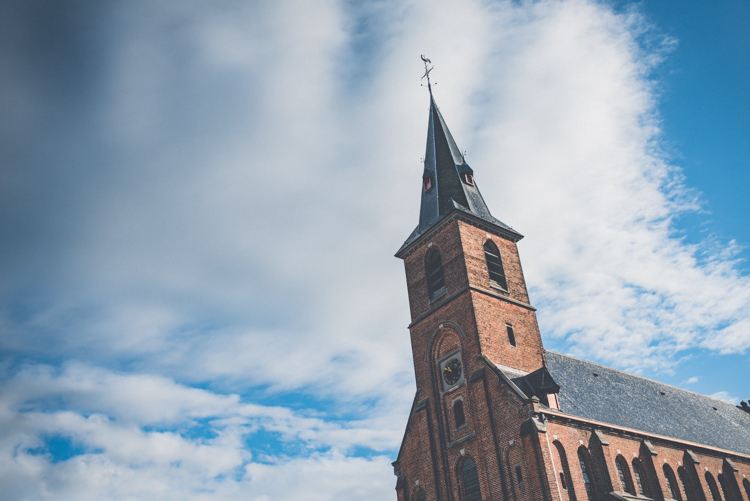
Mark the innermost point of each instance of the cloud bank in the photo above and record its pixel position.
(199, 208)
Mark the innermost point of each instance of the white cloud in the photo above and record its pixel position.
(726, 397)
(140, 435)
(222, 210)
(573, 117)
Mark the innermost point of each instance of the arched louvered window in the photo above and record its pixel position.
(724, 483)
(640, 480)
(712, 487)
(583, 459)
(421, 496)
(674, 491)
(470, 481)
(495, 265)
(622, 468)
(435, 279)
(682, 475)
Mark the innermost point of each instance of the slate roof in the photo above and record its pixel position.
(444, 165)
(622, 399)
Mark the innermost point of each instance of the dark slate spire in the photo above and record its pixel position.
(451, 178)
(448, 182)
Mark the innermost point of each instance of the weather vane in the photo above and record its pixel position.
(427, 71)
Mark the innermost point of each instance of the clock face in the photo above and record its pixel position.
(452, 371)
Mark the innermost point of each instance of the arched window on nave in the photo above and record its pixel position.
(685, 483)
(674, 490)
(640, 479)
(624, 473)
(715, 496)
(585, 461)
(565, 480)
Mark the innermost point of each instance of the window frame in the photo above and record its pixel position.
(435, 275)
(640, 482)
(623, 471)
(584, 460)
(474, 495)
(674, 487)
(713, 489)
(511, 335)
(495, 269)
(456, 404)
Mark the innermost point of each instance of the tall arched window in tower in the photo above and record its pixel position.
(470, 481)
(712, 487)
(624, 473)
(639, 478)
(682, 474)
(674, 491)
(495, 265)
(583, 459)
(435, 278)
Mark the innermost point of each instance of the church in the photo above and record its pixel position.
(496, 417)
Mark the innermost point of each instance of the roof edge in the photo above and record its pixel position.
(415, 239)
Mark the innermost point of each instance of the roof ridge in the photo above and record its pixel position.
(641, 377)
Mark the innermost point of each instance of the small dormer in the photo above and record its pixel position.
(541, 385)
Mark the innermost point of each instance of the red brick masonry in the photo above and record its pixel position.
(506, 432)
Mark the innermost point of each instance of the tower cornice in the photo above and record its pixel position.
(416, 239)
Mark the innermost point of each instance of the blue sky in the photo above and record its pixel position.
(199, 206)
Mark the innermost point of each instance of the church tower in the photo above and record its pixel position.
(462, 264)
(470, 315)
(496, 417)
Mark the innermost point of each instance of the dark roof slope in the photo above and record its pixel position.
(446, 169)
(622, 399)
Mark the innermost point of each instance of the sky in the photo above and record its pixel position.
(200, 203)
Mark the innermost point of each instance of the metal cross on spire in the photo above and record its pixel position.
(427, 71)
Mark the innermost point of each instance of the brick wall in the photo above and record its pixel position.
(631, 446)
(504, 430)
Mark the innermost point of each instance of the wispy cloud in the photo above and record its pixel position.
(725, 396)
(199, 211)
(127, 426)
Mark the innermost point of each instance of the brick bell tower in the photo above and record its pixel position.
(471, 325)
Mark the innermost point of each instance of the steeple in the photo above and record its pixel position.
(448, 182)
